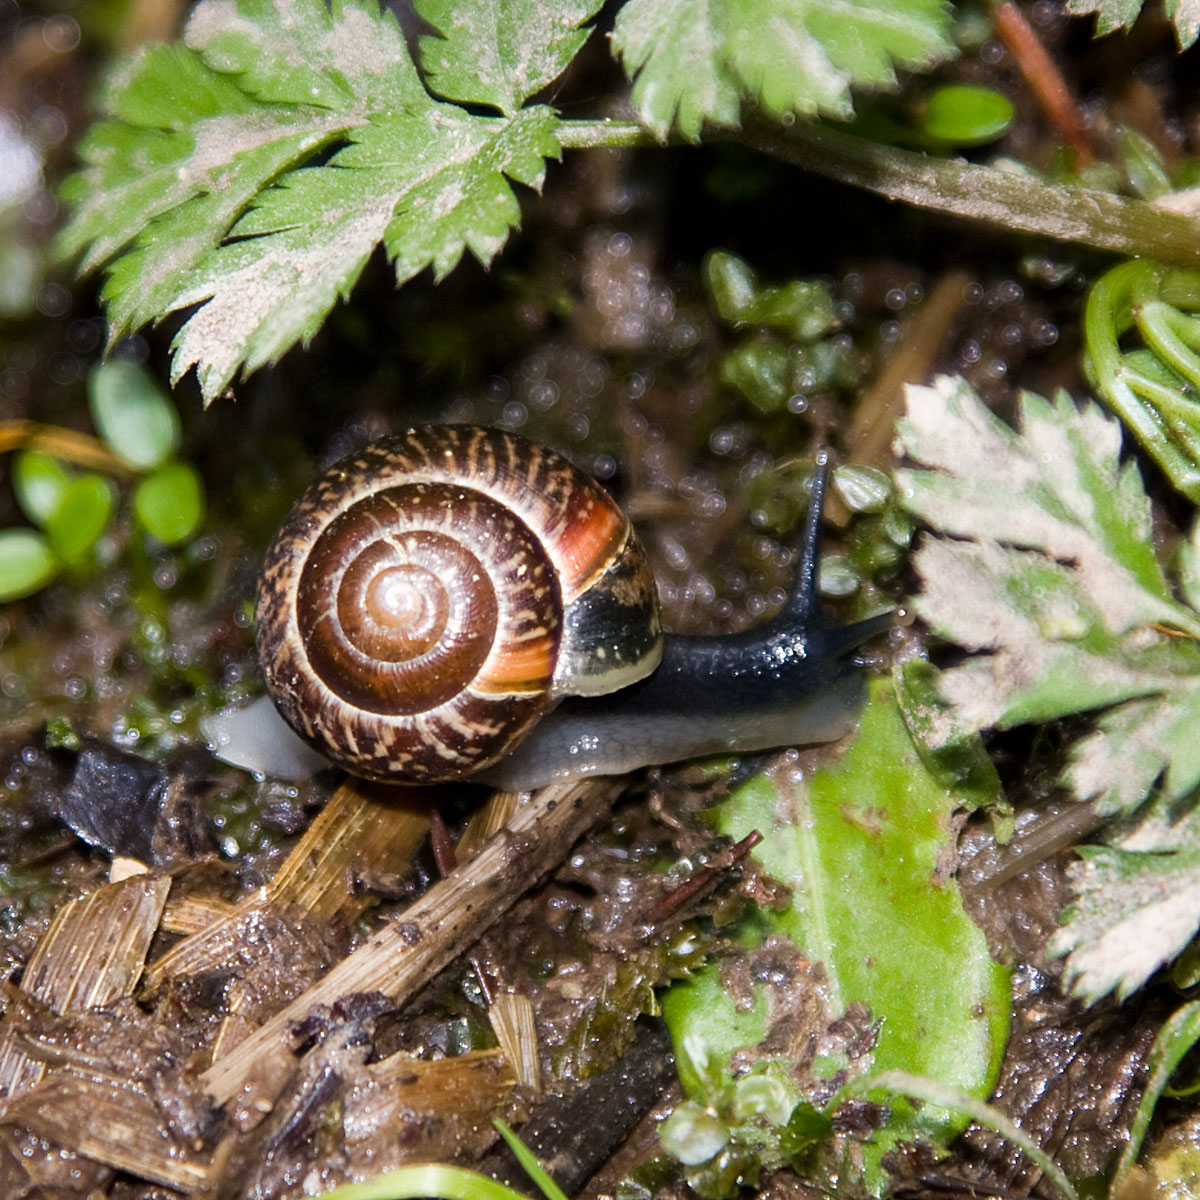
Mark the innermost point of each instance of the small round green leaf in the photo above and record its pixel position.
(761, 371)
(963, 115)
(27, 563)
(863, 489)
(169, 504)
(133, 413)
(39, 481)
(692, 1134)
(81, 518)
(731, 284)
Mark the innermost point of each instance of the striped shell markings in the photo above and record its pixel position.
(431, 596)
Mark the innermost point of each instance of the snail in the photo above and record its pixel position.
(458, 602)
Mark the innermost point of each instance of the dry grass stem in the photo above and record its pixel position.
(361, 828)
(511, 1015)
(92, 954)
(435, 928)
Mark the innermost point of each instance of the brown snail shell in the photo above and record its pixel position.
(430, 597)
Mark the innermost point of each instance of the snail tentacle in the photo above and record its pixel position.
(791, 680)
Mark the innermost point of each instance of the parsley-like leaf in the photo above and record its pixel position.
(200, 188)
(1136, 909)
(695, 60)
(1112, 15)
(1044, 565)
(500, 52)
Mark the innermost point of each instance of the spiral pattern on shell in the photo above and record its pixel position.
(430, 597)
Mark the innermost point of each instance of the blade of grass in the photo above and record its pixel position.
(931, 1092)
(426, 1179)
(1175, 1039)
(529, 1163)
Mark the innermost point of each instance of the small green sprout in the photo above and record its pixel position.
(959, 114)
(71, 509)
(787, 348)
(1154, 386)
(451, 1183)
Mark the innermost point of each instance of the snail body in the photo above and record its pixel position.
(457, 601)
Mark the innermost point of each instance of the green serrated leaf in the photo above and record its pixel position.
(430, 185)
(346, 56)
(1135, 910)
(501, 52)
(27, 563)
(694, 61)
(144, 280)
(39, 482)
(169, 504)
(198, 189)
(1057, 588)
(1112, 15)
(138, 162)
(133, 413)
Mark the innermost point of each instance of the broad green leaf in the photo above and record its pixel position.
(695, 61)
(200, 189)
(1056, 588)
(133, 413)
(501, 52)
(27, 563)
(81, 518)
(39, 481)
(952, 754)
(860, 845)
(1120, 14)
(170, 503)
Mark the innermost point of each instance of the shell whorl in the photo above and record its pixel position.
(431, 596)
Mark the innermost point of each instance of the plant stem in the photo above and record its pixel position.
(1113, 305)
(1012, 200)
(1174, 1040)
(1044, 78)
(589, 135)
(68, 445)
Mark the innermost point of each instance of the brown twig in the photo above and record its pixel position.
(1045, 80)
(67, 444)
(869, 438)
(445, 856)
(437, 927)
(702, 878)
